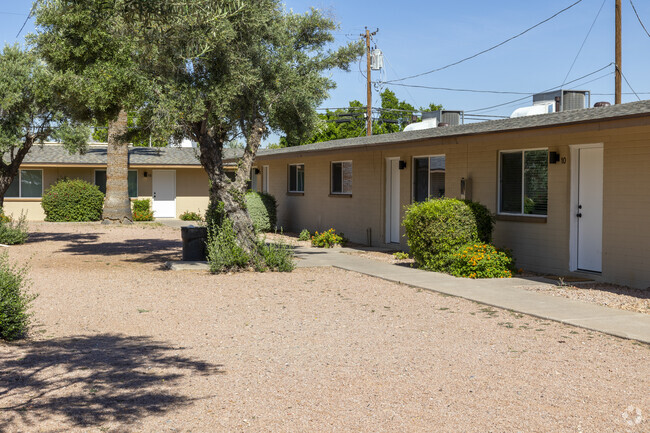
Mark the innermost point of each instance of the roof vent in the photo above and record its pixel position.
(602, 104)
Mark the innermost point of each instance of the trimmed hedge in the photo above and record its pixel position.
(484, 220)
(262, 210)
(436, 229)
(73, 200)
(142, 210)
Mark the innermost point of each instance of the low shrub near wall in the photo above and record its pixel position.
(73, 200)
(436, 229)
(327, 239)
(481, 261)
(191, 216)
(449, 235)
(262, 210)
(142, 210)
(14, 301)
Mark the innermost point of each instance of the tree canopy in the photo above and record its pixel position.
(350, 122)
(30, 112)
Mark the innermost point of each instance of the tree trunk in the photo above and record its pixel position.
(117, 205)
(8, 172)
(231, 194)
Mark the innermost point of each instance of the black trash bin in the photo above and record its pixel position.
(194, 239)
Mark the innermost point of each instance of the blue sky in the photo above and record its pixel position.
(428, 35)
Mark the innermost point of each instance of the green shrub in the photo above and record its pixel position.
(14, 301)
(224, 254)
(327, 239)
(4, 218)
(436, 229)
(73, 200)
(400, 255)
(481, 261)
(13, 232)
(305, 235)
(484, 220)
(262, 210)
(142, 210)
(277, 257)
(191, 216)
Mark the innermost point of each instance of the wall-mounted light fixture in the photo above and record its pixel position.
(402, 165)
(553, 157)
(144, 174)
(256, 171)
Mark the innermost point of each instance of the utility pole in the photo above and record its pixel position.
(618, 60)
(369, 88)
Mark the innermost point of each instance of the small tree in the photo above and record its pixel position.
(30, 112)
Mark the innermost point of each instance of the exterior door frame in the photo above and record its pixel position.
(390, 202)
(573, 206)
(153, 190)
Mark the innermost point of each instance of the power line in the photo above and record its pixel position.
(628, 85)
(488, 49)
(584, 42)
(547, 90)
(31, 11)
(639, 18)
(458, 90)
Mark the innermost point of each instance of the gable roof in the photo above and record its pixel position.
(55, 154)
(587, 115)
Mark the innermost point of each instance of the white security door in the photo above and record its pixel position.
(590, 209)
(164, 193)
(265, 179)
(392, 200)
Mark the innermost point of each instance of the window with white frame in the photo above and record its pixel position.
(297, 178)
(100, 181)
(28, 184)
(341, 177)
(523, 182)
(428, 177)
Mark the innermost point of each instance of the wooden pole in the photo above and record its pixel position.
(618, 73)
(369, 89)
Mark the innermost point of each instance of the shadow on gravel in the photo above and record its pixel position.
(90, 380)
(62, 237)
(138, 250)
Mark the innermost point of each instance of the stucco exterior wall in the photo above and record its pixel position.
(191, 189)
(538, 244)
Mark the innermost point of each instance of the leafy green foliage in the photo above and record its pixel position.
(400, 255)
(225, 254)
(327, 239)
(13, 232)
(262, 209)
(191, 216)
(14, 301)
(139, 133)
(484, 220)
(30, 111)
(72, 200)
(305, 235)
(350, 122)
(4, 218)
(223, 251)
(480, 261)
(142, 210)
(436, 229)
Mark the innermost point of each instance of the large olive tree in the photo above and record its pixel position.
(254, 71)
(30, 112)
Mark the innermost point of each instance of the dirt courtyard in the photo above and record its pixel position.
(122, 345)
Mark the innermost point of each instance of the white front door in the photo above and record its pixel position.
(164, 193)
(589, 212)
(392, 200)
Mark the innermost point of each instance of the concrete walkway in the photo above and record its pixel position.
(503, 293)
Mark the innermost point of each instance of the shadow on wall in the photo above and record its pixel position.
(89, 380)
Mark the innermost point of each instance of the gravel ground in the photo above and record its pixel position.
(121, 345)
(605, 294)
